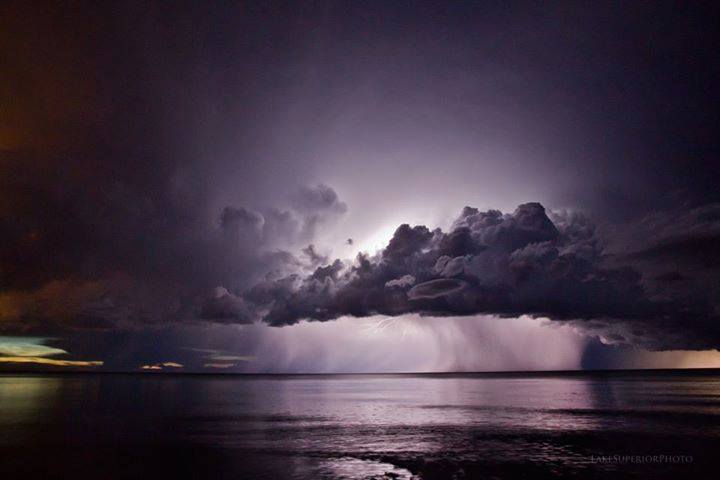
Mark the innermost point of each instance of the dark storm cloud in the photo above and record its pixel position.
(526, 263)
(313, 256)
(90, 245)
(226, 307)
(115, 124)
(106, 215)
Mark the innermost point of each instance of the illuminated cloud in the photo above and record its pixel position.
(530, 262)
(219, 365)
(24, 350)
(27, 347)
(162, 366)
(52, 361)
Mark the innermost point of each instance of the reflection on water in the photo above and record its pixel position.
(359, 426)
(23, 400)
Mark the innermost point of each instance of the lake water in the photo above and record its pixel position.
(436, 426)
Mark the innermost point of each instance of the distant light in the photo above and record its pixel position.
(28, 347)
(378, 240)
(161, 366)
(52, 361)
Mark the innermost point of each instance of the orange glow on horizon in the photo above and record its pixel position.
(161, 366)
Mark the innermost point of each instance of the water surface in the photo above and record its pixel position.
(602, 425)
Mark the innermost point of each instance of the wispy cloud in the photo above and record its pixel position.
(162, 366)
(219, 365)
(221, 358)
(28, 347)
(52, 361)
(32, 350)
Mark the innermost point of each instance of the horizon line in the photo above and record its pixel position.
(704, 370)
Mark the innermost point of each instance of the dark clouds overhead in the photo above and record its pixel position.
(527, 263)
(112, 271)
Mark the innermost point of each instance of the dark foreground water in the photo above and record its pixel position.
(613, 425)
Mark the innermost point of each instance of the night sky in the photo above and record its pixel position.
(359, 186)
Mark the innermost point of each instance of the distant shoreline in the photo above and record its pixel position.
(488, 374)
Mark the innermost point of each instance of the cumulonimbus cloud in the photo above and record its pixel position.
(108, 255)
(528, 262)
(652, 283)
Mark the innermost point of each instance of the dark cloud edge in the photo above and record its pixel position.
(638, 285)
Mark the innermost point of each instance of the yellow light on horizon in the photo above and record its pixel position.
(52, 361)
